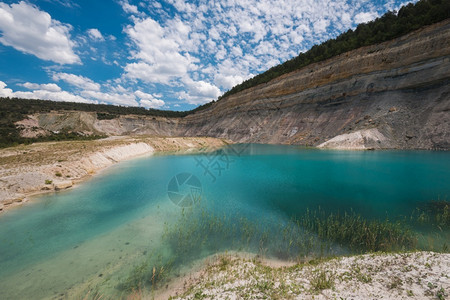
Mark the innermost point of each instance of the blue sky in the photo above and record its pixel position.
(165, 54)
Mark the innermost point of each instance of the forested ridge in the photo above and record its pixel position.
(391, 25)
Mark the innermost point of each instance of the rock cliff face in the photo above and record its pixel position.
(391, 95)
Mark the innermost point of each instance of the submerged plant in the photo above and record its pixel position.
(440, 212)
(200, 231)
(433, 213)
(148, 274)
(90, 295)
(359, 234)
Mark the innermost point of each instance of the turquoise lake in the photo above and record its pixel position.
(90, 239)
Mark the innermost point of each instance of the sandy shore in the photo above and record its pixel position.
(45, 167)
(416, 275)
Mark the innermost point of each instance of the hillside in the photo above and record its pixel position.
(389, 95)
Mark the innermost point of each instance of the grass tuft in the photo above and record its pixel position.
(322, 280)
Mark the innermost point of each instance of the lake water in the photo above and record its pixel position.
(105, 236)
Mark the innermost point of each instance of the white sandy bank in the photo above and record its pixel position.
(418, 275)
(107, 157)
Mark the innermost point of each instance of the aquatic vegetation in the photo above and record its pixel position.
(317, 230)
(433, 213)
(148, 274)
(90, 295)
(359, 234)
(199, 232)
(310, 238)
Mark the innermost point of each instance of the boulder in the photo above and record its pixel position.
(62, 185)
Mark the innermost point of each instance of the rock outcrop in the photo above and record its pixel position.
(358, 140)
(391, 95)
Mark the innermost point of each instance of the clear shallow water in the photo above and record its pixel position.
(91, 237)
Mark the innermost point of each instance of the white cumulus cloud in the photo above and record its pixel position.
(77, 80)
(42, 93)
(5, 92)
(51, 87)
(27, 29)
(128, 8)
(95, 34)
(111, 98)
(116, 95)
(159, 52)
(198, 92)
(148, 100)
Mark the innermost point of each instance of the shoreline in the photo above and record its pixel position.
(193, 274)
(412, 275)
(28, 171)
(30, 197)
